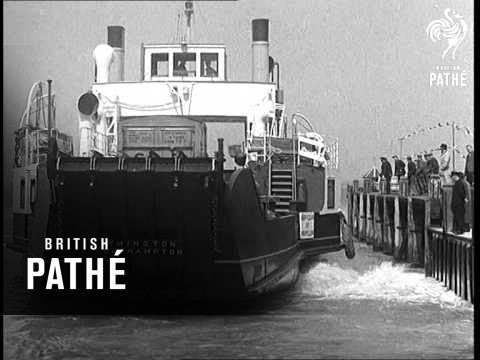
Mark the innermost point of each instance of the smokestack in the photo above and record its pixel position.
(116, 39)
(103, 55)
(260, 58)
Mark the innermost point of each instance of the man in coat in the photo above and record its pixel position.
(386, 172)
(444, 164)
(469, 170)
(432, 167)
(460, 198)
(420, 175)
(399, 167)
(411, 171)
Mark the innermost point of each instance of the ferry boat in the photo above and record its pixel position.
(208, 187)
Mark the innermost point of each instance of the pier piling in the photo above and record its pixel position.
(417, 230)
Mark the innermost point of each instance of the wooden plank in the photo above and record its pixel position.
(369, 219)
(386, 223)
(389, 224)
(447, 221)
(436, 245)
(444, 260)
(355, 215)
(412, 235)
(364, 219)
(422, 237)
(472, 267)
(397, 239)
(455, 253)
(462, 271)
(361, 217)
(448, 259)
(450, 263)
(455, 266)
(459, 268)
(377, 244)
(430, 256)
(468, 273)
(440, 258)
(375, 223)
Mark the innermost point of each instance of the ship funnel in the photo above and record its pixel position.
(116, 39)
(260, 57)
(103, 55)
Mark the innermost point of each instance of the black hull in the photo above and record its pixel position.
(186, 235)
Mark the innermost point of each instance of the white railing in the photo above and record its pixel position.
(331, 149)
(311, 146)
(96, 141)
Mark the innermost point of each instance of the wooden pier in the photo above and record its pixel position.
(417, 230)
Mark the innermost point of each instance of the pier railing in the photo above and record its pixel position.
(417, 230)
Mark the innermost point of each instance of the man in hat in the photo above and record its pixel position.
(469, 170)
(460, 197)
(399, 167)
(386, 172)
(444, 164)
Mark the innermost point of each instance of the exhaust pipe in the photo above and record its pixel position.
(260, 57)
(110, 59)
(116, 39)
(103, 55)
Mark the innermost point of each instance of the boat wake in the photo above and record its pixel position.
(386, 281)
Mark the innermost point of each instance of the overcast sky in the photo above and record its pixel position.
(358, 69)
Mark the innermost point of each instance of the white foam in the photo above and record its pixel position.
(385, 281)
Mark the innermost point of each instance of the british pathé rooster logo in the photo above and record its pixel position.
(451, 28)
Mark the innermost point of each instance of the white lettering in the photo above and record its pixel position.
(463, 79)
(104, 244)
(114, 272)
(73, 270)
(433, 76)
(98, 273)
(448, 79)
(31, 273)
(454, 79)
(54, 275)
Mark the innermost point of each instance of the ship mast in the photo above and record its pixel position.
(188, 13)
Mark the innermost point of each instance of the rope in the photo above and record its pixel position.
(141, 107)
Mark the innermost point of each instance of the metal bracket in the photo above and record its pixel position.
(121, 163)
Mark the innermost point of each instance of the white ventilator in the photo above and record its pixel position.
(103, 55)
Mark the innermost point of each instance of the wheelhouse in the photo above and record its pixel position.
(183, 62)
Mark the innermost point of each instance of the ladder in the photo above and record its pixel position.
(282, 189)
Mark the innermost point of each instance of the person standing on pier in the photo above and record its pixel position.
(411, 171)
(444, 164)
(469, 169)
(386, 172)
(432, 167)
(399, 167)
(420, 175)
(432, 170)
(460, 198)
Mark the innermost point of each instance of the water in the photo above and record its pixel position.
(367, 307)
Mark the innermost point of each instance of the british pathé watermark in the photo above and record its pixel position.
(450, 31)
